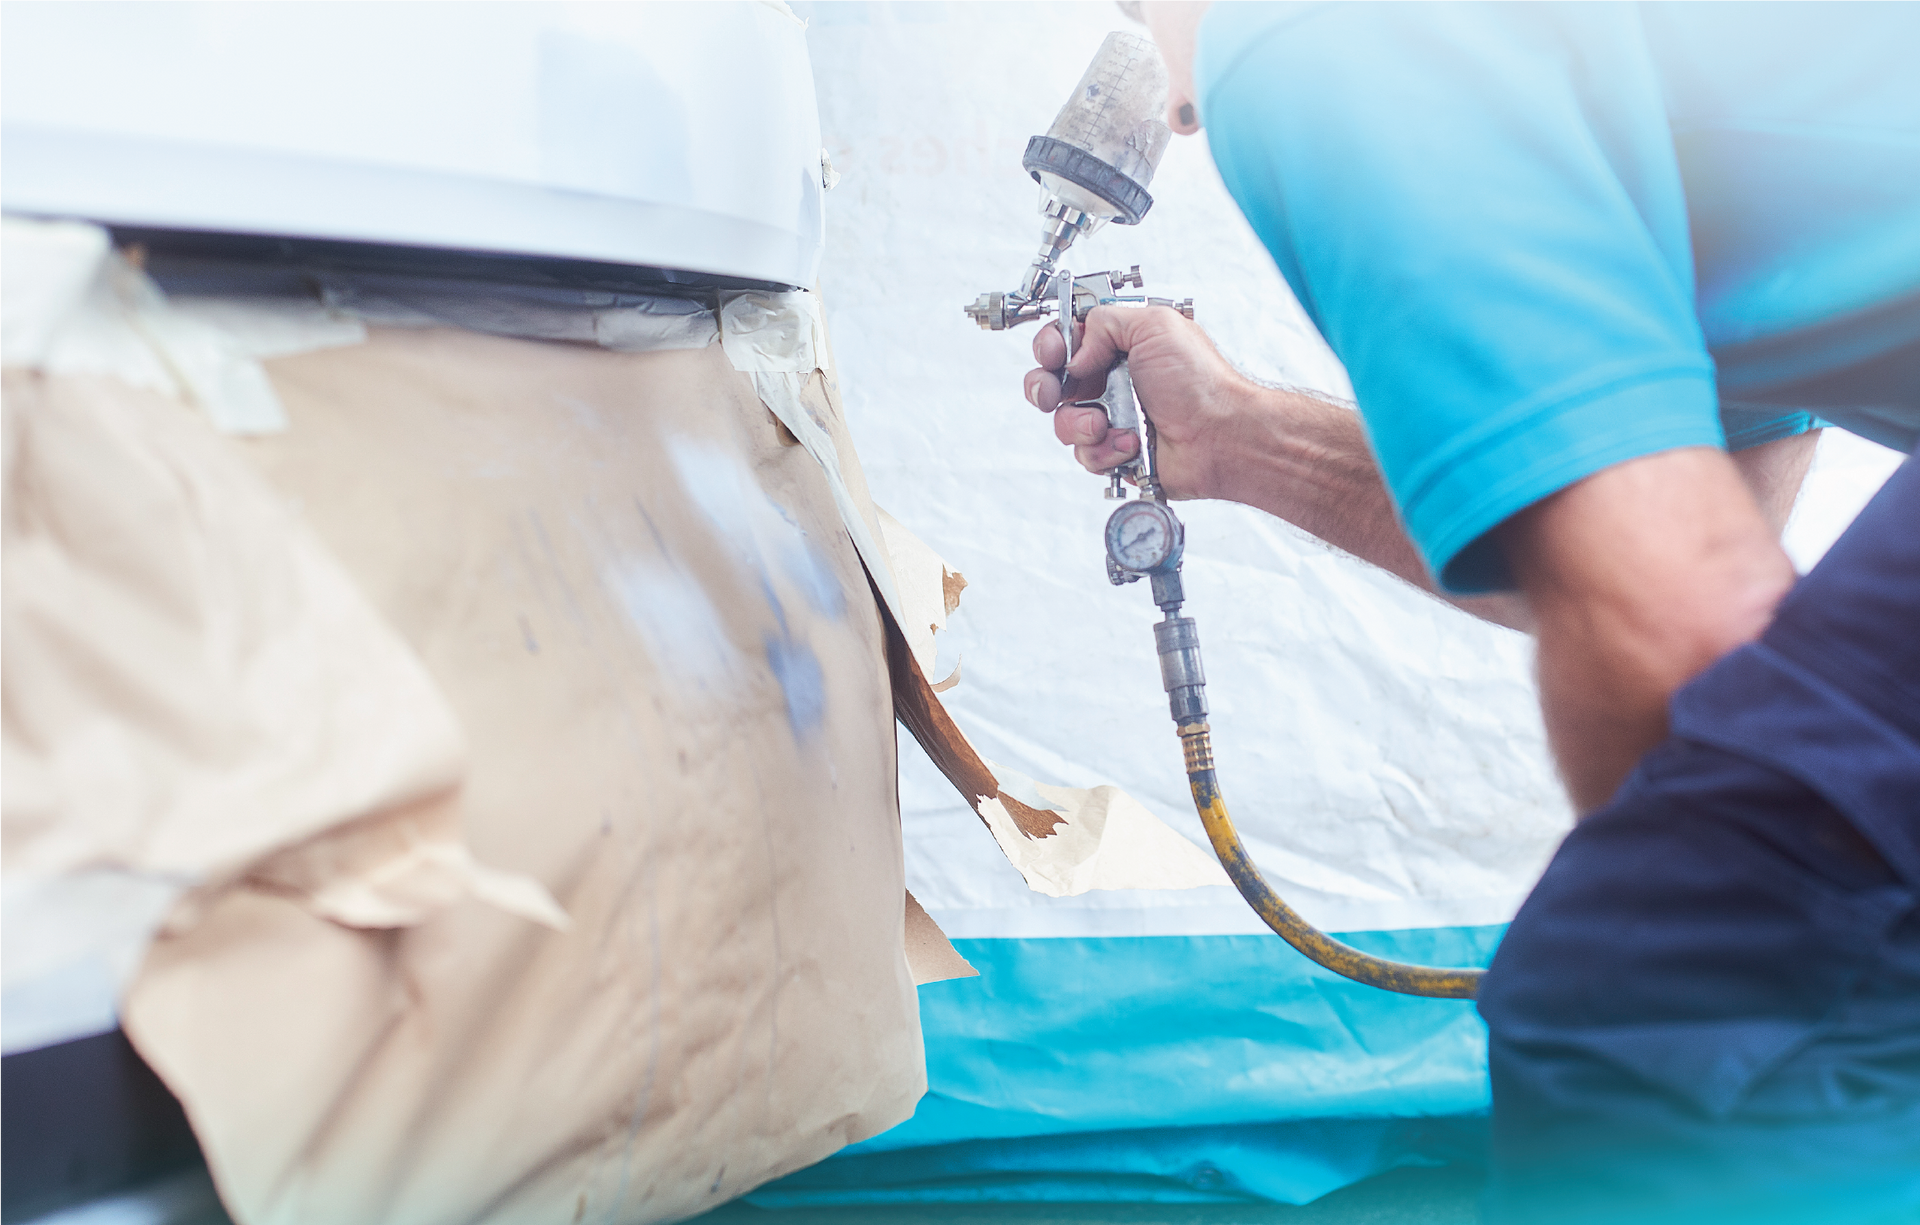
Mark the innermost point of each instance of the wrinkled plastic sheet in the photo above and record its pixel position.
(1381, 751)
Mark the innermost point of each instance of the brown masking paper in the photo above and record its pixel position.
(641, 606)
(197, 692)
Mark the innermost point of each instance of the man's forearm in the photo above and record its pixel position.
(1308, 461)
(1635, 579)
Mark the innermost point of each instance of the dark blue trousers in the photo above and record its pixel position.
(1709, 1009)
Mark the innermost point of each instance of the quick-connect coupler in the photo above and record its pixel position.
(1178, 641)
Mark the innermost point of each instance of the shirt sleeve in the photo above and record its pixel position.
(1753, 425)
(1480, 207)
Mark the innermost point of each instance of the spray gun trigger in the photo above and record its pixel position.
(1063, 281)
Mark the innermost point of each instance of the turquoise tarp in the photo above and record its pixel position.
(1174, 1068)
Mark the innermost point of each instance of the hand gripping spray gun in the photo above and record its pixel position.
(1093, 166)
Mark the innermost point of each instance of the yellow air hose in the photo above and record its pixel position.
(1145, 539)
(1177, 641)
(1435, 981)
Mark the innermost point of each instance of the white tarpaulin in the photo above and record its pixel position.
(1381, 751)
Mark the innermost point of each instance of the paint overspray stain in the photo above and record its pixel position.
(681, 626)
(803, 683)
(764, 537)
(756, 529)
(808, 570)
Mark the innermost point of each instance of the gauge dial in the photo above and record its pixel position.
(1143, 537)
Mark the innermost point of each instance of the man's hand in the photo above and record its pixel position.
(1195, 398)
(1221, 435)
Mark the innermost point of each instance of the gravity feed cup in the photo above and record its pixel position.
(1100, 154)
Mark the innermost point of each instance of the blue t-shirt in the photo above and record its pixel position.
(1547, 238)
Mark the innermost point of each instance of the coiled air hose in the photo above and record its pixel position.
(1180, 672)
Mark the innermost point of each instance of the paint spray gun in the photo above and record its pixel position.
(1093, 166)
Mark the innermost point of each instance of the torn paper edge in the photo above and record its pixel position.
(1048, 833)
(779, 340)
(931, 957)
(431, 875)
(930, 591)
(1103, 839)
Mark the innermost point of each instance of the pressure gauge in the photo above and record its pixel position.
(1144, 537)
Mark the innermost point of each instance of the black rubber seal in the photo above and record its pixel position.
(198, 261)
(1083, 169)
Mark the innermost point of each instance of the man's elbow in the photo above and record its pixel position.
(1639, 578)
(1667, 555)
(1693, 619)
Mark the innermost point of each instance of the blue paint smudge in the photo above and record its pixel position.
(805, 686)
(773, 602)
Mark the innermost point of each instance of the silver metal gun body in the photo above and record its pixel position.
(1055, 293)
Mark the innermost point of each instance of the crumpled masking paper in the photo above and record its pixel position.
(193, 684)
(1064, 840)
